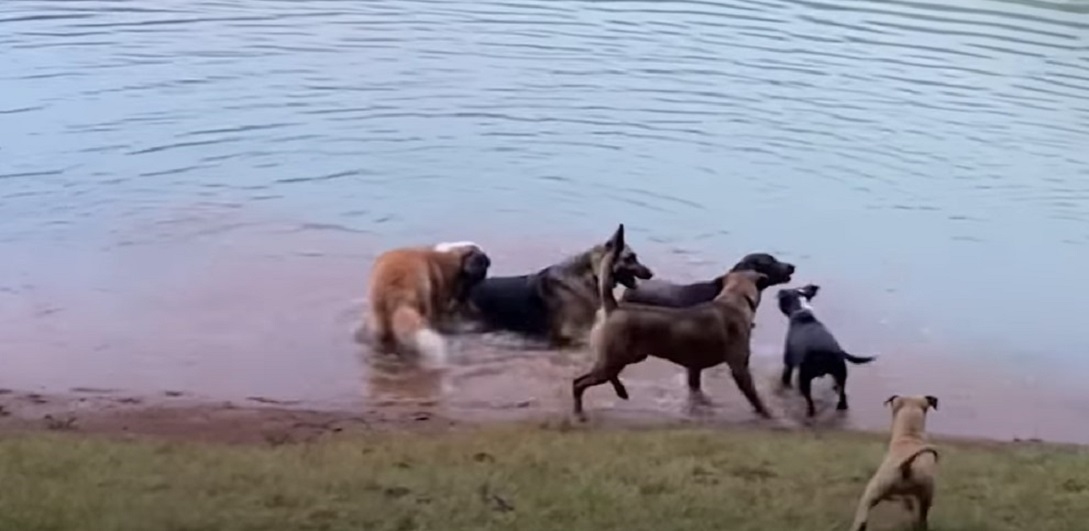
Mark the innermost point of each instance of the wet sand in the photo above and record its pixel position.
(245, 338)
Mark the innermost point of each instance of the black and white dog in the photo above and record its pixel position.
(811, 348)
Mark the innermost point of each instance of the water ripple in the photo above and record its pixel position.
(784, 121)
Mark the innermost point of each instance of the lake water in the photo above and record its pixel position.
(191, 191)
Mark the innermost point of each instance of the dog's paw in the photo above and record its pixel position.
(700, 399)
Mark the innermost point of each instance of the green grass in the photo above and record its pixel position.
(521, 478)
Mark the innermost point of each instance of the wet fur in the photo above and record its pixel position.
(910, 467)
(413, 291)
(697, 337)
(557, 303)
(811, 348)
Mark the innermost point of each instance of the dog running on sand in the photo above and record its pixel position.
(910, 466)
(414, 290)
(811, 348)
(697, 337)
(665, 293)
(558, 302)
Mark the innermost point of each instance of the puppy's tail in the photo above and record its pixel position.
(859, 360)
(411, 330)
(605, 281)
(905, 467)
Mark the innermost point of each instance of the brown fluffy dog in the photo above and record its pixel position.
(910, 466)
(415, 289)
(697, 337)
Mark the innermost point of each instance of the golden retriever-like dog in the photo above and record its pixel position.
(415, 290)
(910, 466)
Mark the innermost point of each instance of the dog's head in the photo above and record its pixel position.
(626, 268)
(922, 403)
(777, 272)
(797, 299)
(473, 264)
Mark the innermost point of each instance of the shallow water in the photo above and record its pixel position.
(191, 191)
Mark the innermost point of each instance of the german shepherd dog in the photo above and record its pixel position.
(665, 293)
(812, 348)
(558, 302)
(697, 337)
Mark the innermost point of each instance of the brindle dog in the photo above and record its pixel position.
(558, 302)
(697, 337)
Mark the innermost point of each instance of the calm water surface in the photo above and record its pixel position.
(191, 191)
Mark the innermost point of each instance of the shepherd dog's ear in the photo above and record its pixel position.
(891, 398)
(616, 241)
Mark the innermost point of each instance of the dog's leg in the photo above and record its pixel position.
(563, 333)
(600, 374)
(695, 387)
(618, 386)
(841, 385)
(925, 501)
(743, 379)
(788, 373)
(870, 498)
(805, 385)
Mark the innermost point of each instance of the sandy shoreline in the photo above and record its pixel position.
(219, 333)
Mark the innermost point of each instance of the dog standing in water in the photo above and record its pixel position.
(557, 303)
(417, 289)
(697, 337)
(811, 348)
(910, 466)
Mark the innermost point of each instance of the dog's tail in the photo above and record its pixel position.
(605, 281)
(858, 360)
(411, 330)
(905, 467)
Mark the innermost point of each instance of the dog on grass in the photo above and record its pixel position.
(697, 337)
(811, 348)
(664, 293)
(910, 467)
(558, 302)
(415, 290)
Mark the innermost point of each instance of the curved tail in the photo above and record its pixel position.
(411, 330)
(905, 467)
(858, 359)
(605, 282)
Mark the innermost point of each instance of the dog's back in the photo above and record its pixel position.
(512, 303)
(670, 295)
(808, 335)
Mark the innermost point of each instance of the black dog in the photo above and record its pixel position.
(811, 348)
(662, 293)
(558, 302)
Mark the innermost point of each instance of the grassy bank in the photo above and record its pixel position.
(520, 478)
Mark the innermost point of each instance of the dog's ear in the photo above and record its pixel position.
(474, 266)
(616, 241)
(933, 401)
(891, 398)
(812, 289)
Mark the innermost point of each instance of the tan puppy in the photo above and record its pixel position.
(910, 466)
(696, 337)
(412, 290)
